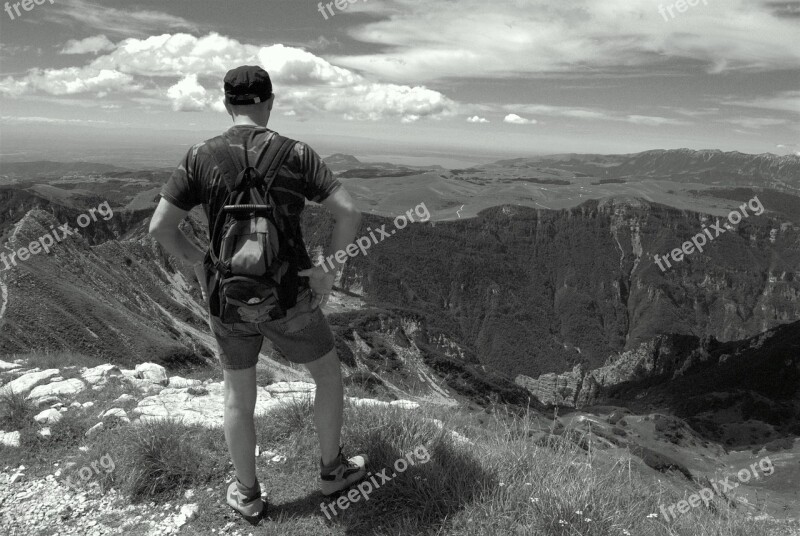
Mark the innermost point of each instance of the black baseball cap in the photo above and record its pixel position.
(247, 84)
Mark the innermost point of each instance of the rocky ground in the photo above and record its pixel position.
(33, 502)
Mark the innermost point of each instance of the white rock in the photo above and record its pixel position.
(176, 382)
(123, 398)
(368, 402)
(16, 477)
(128, 373)
(290, 387)
(152, 372)
(100, 374)
(66, 387)
(188, 494)
(26, 382)
(88, 404)
(48, 416)
(75, 405)
(116, 412)
(405, 404)
(45, 432)
(190, 511)
(5, 365)
(9, 439)
(146, 387)
(94, 430)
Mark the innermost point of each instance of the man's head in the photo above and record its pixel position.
(248, 93)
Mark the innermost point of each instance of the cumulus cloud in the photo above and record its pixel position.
(477, 119)
(424, 41)
(188, 71)
(189, 96)
(89, 45)
(68, 81)
(514, 119)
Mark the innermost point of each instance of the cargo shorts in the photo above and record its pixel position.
(302, 336)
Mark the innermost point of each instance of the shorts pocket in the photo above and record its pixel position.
(300, 316)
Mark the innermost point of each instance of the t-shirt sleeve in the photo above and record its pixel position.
(182, 188)
(318, 181)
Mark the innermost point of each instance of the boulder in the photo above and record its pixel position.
(66, 387)
(26, 382)
(48, 416)
(116, 413)
(153, 373)
(100, 374)
(177, 382)
(5, 365)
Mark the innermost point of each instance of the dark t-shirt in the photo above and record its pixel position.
(197, 180)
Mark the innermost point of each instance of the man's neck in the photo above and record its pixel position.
(247, 122)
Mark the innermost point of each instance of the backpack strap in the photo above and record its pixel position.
(274, 157)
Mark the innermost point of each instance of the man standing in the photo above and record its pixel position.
(302, 334)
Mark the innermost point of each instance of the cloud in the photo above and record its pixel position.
(476, 119)
(93, 45)
(186, 72)
(15, 119)
(126, 22)
(785, 101)
(189, 96)
(756, 122)
(653, 121)
(424, 41)
(514, 119)
(68, 81)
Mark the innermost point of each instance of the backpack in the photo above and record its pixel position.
(251, 250)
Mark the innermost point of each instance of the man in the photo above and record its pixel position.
(303, 335)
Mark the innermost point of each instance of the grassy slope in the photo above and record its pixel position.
(506, 482)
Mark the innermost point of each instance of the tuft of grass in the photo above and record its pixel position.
(16, 411)
(161, 459)
(59, 359)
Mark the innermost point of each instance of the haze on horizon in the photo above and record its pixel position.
(140, 81)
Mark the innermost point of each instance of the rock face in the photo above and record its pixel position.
(663, 356)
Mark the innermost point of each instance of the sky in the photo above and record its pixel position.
(434, 81)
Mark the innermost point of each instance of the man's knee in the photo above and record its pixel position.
(326, 369)
(240, 389)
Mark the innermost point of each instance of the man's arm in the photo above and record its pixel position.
(348, 221)
(164, 228)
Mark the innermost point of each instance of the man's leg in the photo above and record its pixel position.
(240, 431)
(328, 404)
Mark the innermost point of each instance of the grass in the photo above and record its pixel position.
(502, 484)
(510, 480)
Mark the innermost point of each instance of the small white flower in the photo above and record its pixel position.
(650, 516)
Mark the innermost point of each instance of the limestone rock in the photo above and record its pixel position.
(26, 382)
(65, 387)
(9, 439)
(48, 416)
(100, 374)
(153, 373)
